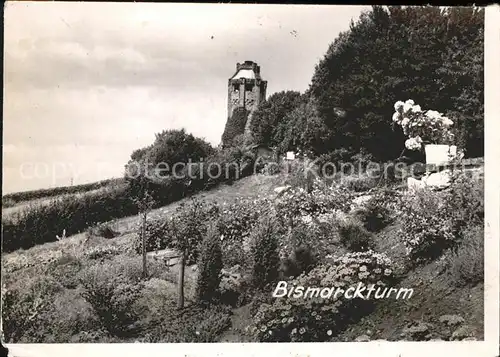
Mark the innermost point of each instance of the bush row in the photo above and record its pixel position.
(50, 192)
(41, 223)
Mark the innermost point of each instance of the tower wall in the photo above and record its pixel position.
(246, 89)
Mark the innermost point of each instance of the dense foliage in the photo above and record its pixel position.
(235, 126)
(431, 55)
(269, 122)
(265, 253)
(37, 224)
(209, 267)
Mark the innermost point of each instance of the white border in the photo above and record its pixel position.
(486, 348)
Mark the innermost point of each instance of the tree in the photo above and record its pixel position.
(187, 229)
(269, 120)
(305, 131)
(176, 146)
(171, 150)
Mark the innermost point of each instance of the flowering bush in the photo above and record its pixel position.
(422, 126)
(236, 219)
(434, 221)
(315, 318)
(354, 236)
(426, 228)
(102, 252)
(297, 202)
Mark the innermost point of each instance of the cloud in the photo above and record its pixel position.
(102, 78)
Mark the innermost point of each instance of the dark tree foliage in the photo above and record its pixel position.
(427, 54)
(269, 122)
(177, 146)
(305, 130)
(171, 151)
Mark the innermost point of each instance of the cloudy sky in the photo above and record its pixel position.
(87, 83)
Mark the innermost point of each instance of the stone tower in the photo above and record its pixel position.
(246, 89)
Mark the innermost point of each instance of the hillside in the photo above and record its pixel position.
(60, 268)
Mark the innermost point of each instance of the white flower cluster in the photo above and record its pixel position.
(429, 126)
(414, 143)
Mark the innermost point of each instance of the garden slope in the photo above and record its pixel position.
(433, 297)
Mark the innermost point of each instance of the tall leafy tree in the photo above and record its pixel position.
(428, 54)
(269, 121)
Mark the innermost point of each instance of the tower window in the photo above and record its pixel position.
(248, 87)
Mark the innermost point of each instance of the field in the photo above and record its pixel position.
(91, 288)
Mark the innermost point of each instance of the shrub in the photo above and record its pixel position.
(102, 252)
(354, 236)
(68, 314)
(8, 202)
(233, 254)
(359, 183)
(466, 263)
(188, 227)
(271, 168)
(264, 253)
(301, 261)
(435, 221)
(303, 246)
(465, 199)
(426, 228)
(375, 214)
(295, 203)
(103, 230)
(192, 324)
(25, 310)
(315, 318)
(50, 192)
(209, 267)
(65, 270)
(112, 294)
(235, 287)
(236, 219)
